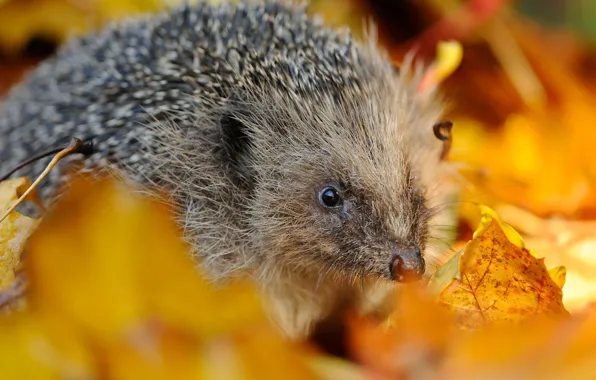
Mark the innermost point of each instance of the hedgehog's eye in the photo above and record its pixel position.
(329, 197)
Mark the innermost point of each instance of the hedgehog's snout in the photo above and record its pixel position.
(407, 264)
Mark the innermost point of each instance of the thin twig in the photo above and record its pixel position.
(74, 147)
(86, 149)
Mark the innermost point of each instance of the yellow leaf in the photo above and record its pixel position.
(14, 232)
(110, 266)
(32, 348)
(257, 348)
(20, 20)
(530, 144)
(487, 217)
(558, 275)
(114, 249)
(561, 242)
(449, 57)
(500, 282)
(12, 189)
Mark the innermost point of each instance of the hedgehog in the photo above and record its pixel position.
(294, 154)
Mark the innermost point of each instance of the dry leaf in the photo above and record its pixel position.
(537, 348)
(137, 282)
(562, 242)
(498, 281)
(115, 293)
(14, 232)
(541, 348)
(409, 343)
(32, 348)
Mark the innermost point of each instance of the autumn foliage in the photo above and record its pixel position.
(113, 293)
(102, 287)
(106, 300)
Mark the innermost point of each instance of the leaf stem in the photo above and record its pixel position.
(74, 146)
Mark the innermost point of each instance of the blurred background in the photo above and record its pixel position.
(31, 30)
(523, 100)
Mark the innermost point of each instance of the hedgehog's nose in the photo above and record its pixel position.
(406, 265)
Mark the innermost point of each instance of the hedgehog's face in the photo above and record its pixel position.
(342, 180)
(365, 234)
(342, 206)
(331, 217)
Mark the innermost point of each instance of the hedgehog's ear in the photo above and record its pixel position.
(236, 145)
(234, 136)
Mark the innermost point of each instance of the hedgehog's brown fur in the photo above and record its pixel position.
(244, 144)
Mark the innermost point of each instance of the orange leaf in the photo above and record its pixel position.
(499, 281)
(411, 340)
(541, 348)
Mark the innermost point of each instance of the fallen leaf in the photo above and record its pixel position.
(114, 293)
(561, 242)
(32, 348)
(445, 274)
(14, 232)
(68, 258)
(498, 281)
(409, 343)
(540, 348)
(488, 216)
